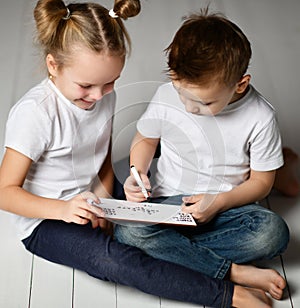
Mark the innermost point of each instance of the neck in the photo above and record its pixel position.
(238, 96)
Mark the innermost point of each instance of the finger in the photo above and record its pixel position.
(137, 197)
(95, 210)
(146, 181)
(189, 199)
(132, 189)
(189, 208)
(94, 223)
(80, 220)
(89, 195)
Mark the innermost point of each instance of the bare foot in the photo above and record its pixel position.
(286, 180)
(250, 298)
(268, 280)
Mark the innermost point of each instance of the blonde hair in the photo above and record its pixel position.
(61, 28)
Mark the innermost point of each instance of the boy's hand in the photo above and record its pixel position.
(132, 190)
(78, 210)
(203, 207)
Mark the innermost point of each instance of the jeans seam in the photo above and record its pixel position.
(223, 269)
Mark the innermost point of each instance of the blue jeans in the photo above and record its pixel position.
(239, 235)
(97, 254)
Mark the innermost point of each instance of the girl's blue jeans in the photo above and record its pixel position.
(90, 250)
(239, 235)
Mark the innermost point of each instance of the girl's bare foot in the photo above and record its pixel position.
(250, 298)
(268, 280)
(286, 180)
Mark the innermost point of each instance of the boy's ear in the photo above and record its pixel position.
(51, 65)
(243, 84)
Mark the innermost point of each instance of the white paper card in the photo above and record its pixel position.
(145, 212)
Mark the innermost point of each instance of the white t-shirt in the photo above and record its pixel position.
(210, 154)
(67, 144)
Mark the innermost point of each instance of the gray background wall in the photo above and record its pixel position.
(272, 26)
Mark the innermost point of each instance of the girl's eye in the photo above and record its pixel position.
(85, 87)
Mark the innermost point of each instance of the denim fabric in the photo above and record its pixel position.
(239, 235)
(90, 250)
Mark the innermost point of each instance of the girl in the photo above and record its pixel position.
(58, 157)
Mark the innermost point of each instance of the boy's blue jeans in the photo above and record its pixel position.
(90, 250)
(239, 235)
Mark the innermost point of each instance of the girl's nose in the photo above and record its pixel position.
(96, 93)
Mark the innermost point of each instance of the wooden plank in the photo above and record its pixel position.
(92, 292)
(52, 285)
(167, 303)
(15, 266)
(289, 209)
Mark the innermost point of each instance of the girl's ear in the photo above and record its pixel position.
(51, 65)
(243, 84)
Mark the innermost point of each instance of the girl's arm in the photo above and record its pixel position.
(257, 187)
(15, 199)
(141, 155)
(104, 185)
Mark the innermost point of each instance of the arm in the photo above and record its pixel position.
(104, 186)
(141, 155)
(142, 151)
(104, 189)
(15, 199)
(257, 187)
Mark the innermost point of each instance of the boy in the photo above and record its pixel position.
(220, 148)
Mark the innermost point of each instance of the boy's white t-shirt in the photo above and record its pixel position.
(210, 154)
(67, 144)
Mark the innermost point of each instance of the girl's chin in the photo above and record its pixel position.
(83, 104)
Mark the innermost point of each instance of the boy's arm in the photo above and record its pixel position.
(142, 152)
(204, 207)
(141, 155)
(257, 187)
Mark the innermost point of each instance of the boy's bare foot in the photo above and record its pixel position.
(268, 280)
(250, 298)
(286, 180)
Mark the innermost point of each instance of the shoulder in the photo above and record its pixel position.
(259, 103)
(253, 107)
(37, 98)
(166, 89)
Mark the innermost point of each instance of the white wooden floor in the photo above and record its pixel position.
(28, 281)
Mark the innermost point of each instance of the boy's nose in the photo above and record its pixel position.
(190, 107)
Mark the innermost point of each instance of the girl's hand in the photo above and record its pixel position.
(106, 226)
(202, 207)
(132, 190)
(78, 210)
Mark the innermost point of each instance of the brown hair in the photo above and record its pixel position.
(61, 28)
(206, 48)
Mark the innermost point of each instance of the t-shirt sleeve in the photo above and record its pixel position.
(151, 122)
(266, 148)
(27, 130)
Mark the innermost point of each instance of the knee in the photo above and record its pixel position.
(272, 235)
(131, 235)
(278, 233)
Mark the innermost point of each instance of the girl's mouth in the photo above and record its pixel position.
(87, 102)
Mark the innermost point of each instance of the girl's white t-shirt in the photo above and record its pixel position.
(210, 154)
(67, 145)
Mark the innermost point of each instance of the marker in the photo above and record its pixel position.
(139, 181)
